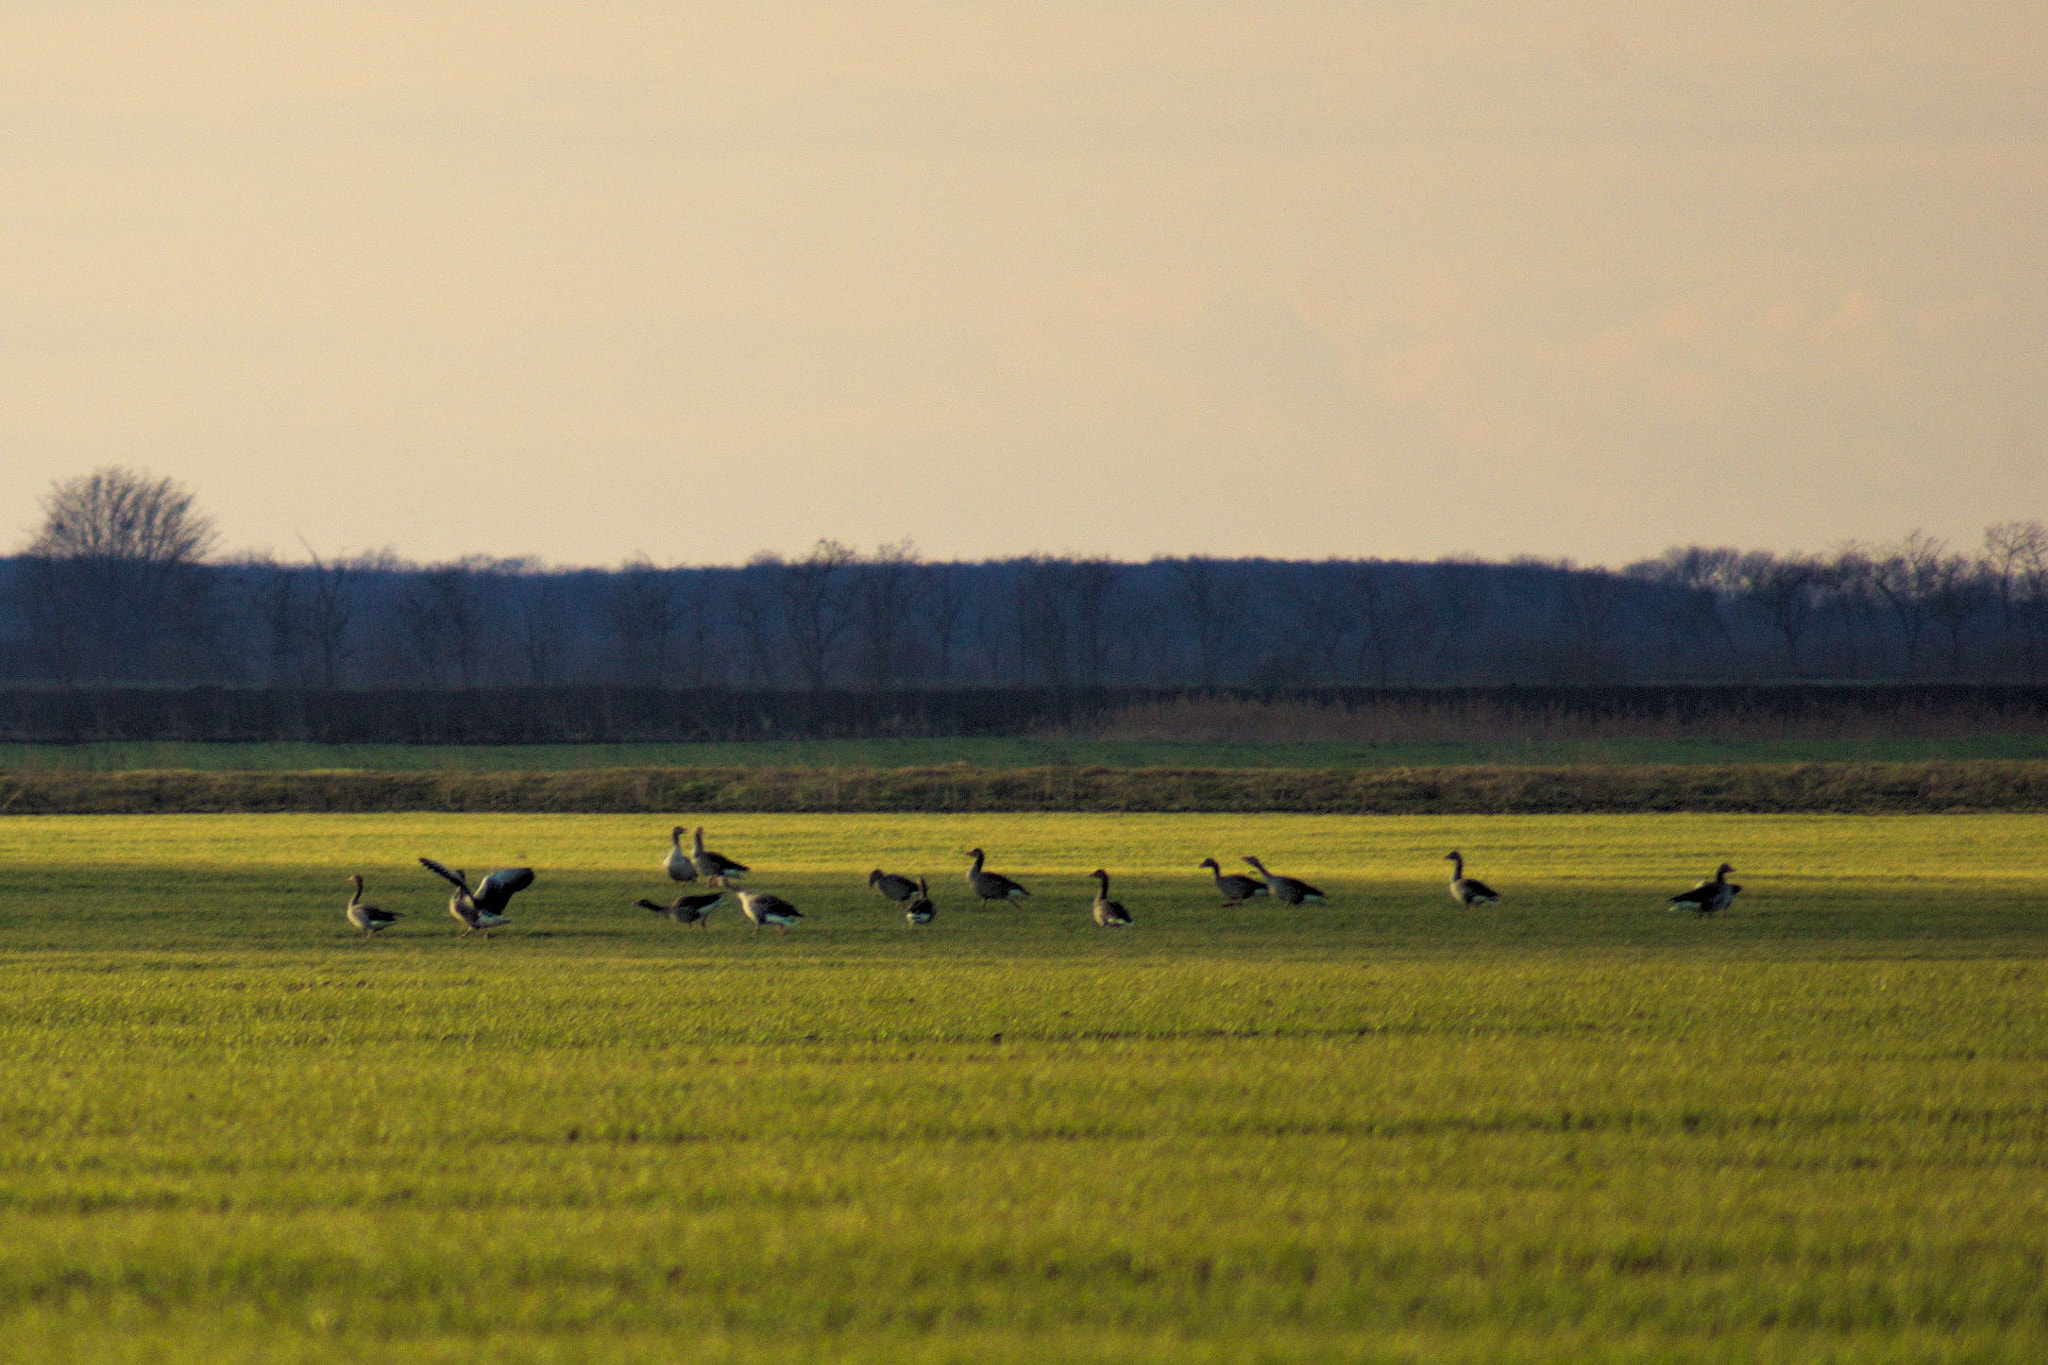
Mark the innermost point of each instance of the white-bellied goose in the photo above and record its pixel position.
(686, 909)
(921, 910)
(1468, 890)
(1286, 890)
(1108, 914)
(366, 918)
(677, 864)
(761, 908)
(716, 868)
(991, 886)
(1234, 887)
(891, 886)
(482, 907)
(1710, 897)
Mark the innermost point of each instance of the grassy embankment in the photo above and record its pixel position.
(1570, 1127)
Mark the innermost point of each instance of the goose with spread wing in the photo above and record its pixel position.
(483, 906)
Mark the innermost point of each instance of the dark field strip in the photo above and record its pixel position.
(1844, 788)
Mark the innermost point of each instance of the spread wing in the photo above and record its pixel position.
(440, 871)
(499, 888)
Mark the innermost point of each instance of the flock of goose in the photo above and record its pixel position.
(482, 907)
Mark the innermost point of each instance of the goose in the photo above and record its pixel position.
(761, 908)
(1286, 890)
(1235, 888)
(1708, 898)
(716, 868)
(368, 918)
(992, 886)
(891, 886)
(483, 907)
(686, 909)
(677, 864)
(921, 910)
(1468, 890)
(1109, 914)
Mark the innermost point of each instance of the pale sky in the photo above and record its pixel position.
(591, 279)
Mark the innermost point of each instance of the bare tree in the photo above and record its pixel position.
(540, 618)
(941, 606)
(1587, 602)
(1323, 617)
(1957, 593)
(329, 612)
(816, 611)
(444, 622)
(1906, 576)
(1786, 592)
(645, 610)
(113, 572)
(881, 592)
(2016, 561)
(1206, 590)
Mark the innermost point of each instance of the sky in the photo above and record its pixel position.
(592, 280)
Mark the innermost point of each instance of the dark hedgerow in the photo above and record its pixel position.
(1848, 788)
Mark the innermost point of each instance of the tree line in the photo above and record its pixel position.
(123, 584)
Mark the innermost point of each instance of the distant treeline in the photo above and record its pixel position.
(1849, 788)
(573, 714)
(836, 620)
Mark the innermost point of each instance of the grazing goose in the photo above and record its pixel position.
(677, 864)
(687, 909)
(483, 907)
(921, 910)
(716, 868)
(368, 918)
(1708, 898)
(761, 908)
(1109, 914)
(1468, 890)
(992, 886)
(1234, 887)
(891, 886)
(1286, 890)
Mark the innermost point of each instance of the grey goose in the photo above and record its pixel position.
(367, 919)
(687, 909)
(1468, 890)
(677, 864)
(892, 887)
(481, 907)
(1709, 897)
(921, 910)
(1286, 890)
(1234, 887)
(991, 886)
(715, 868)
(1108, 914)
(761, 908)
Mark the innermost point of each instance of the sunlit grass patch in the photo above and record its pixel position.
(1573, 1126)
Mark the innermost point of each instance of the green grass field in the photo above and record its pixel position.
(1004, 753)
(1573, 1127)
